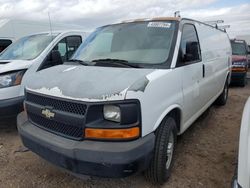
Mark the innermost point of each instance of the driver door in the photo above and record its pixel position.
(189, 61)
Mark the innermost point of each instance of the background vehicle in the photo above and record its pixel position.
(242, 175)
(240, 62)
(137, 85)
(27, 55)
(12, 30)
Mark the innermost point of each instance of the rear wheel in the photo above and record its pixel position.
(162, 162)
(222, 99)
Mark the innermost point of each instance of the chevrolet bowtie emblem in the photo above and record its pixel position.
(47, 113)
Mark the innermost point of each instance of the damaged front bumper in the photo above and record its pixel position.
(238, 77)
(94, 158)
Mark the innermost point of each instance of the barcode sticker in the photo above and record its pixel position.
(159, 24)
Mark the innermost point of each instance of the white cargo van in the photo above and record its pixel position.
(25, 57)
(13, 29)
(141, 83)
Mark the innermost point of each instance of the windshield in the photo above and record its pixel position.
(238, 48)
(27, 48)
(138, 43)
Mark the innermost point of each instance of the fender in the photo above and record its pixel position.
(228, 79)
(165, 112)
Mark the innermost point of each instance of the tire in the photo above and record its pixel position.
(235, 178)
(222, 99)
(160, 167)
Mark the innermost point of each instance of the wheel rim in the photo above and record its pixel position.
(170, 150)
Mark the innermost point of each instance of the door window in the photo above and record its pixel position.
(73, 42)
(189, 51)
(4, 43)
(68, 46)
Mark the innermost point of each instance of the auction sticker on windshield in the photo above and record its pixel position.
(159, 24)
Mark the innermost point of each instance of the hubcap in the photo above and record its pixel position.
(170, 150)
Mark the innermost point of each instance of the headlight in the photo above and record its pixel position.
(112, 113)
(11, 79)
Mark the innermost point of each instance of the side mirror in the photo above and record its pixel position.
(192, 52)
(56, 58)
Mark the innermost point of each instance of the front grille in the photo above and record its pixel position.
(56, 127)
(57, 104)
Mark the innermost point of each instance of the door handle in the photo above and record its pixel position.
(203, 70)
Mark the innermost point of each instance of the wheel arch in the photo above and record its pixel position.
(173, 111)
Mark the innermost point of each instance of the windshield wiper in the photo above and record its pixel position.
(120, 62)
(79, 61)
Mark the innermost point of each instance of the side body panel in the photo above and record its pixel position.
(216, 58)
(208, 76)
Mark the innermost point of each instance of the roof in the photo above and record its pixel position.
(60, 32)
(154, 19)
(147, 19)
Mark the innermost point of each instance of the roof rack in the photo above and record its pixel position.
(223, 27)
(215, 24)
(177, 14)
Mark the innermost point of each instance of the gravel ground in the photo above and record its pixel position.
(205, 157)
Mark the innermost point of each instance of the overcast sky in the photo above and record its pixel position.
(94, 13)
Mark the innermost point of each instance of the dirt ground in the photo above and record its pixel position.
(206, 155)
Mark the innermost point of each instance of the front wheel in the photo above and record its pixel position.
(222, 99)
(162, 162)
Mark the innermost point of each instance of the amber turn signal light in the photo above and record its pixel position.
(239, 69)
(118, 134)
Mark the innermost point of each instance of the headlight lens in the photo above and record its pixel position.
(112, 113)
(11, 79)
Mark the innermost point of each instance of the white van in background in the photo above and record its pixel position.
(139, 85)
(25, 57)
(13, 29)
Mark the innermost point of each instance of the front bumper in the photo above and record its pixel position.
(238, 76)
(11, 107)
(94, 158)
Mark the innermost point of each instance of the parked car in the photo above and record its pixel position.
(240, 62)
(137, 86)
(26, 57)
(13, 29)
(242, 173)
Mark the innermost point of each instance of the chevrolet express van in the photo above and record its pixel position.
(240, 62)
(25, 57)
(134, 86)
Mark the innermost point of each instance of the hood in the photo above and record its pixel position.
(236, 58)
(12, 65)
(86, 83)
